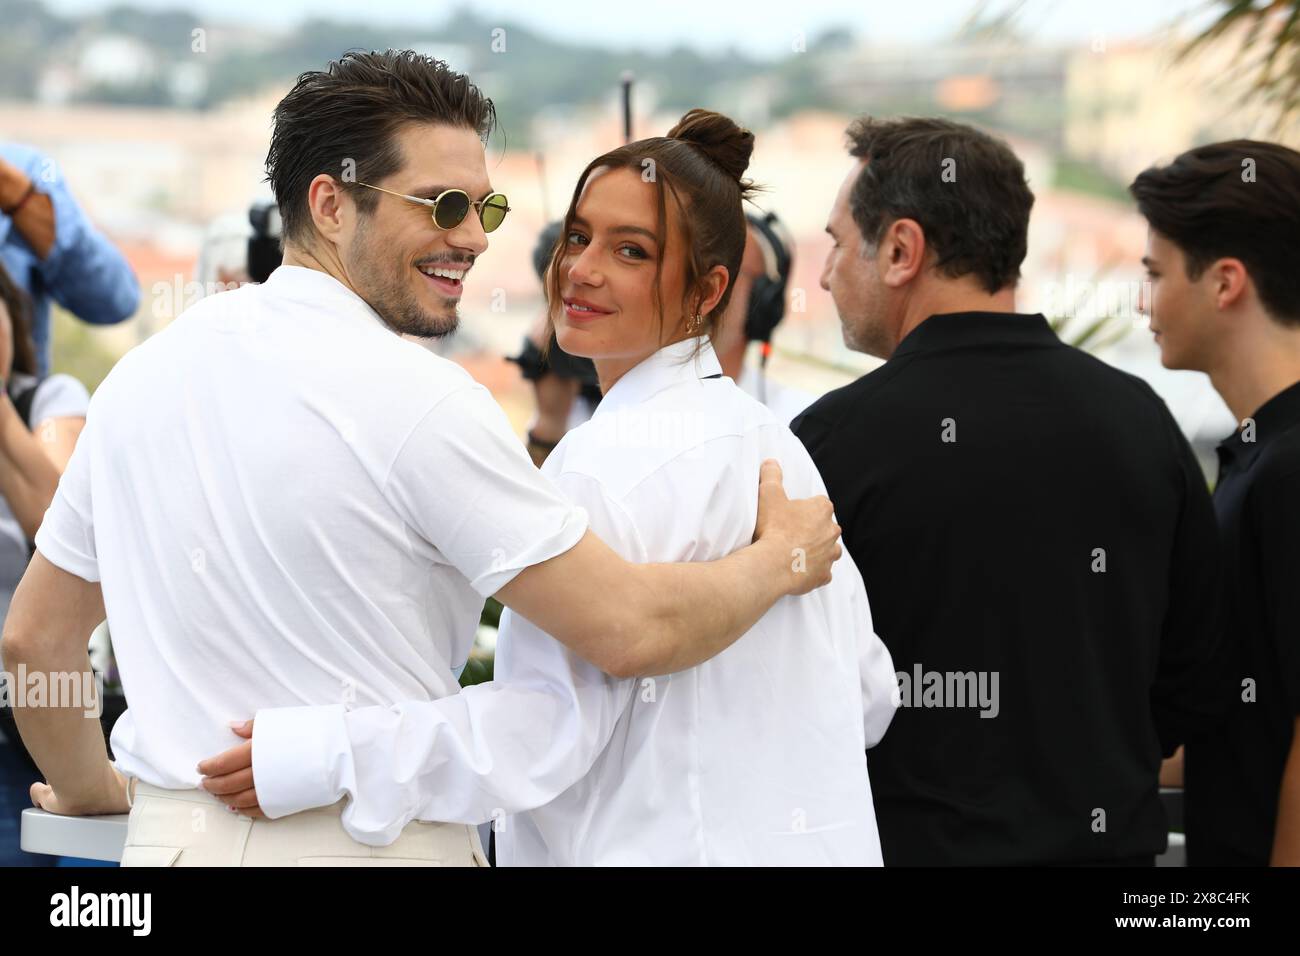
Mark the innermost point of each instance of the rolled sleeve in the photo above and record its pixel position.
(463, 481)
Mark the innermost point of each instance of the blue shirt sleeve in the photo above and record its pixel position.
(84, 273)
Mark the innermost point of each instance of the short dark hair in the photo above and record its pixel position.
(1206, 205)
(976, 223)
(353, 109)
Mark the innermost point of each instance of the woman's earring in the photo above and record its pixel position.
(696, 323)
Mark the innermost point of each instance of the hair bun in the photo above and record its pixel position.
(718, 137)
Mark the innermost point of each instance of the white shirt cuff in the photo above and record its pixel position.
(299, 757)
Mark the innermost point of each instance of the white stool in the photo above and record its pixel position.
(90, 838)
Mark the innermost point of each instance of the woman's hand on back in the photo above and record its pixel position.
(229, 775)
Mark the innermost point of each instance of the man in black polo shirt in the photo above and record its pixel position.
(1223, 259)
(1036, 538)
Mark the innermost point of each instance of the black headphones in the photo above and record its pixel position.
(264, 253)
(767, 299)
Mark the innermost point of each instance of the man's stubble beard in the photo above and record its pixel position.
(863, 333)
(866, 326)
(872, 340)
(391, 297)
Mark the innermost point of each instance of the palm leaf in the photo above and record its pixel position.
(1276, 73)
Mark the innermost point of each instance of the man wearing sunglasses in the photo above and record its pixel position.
(451, 206)
(285, 509)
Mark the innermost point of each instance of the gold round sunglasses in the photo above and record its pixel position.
(451, 206)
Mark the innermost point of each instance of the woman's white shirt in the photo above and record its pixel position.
(756, 756)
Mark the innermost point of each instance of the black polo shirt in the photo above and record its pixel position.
(1233, 774)
(1018, 508)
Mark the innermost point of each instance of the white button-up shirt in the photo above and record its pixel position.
(286, 503)
(787, 403)
(755, 757)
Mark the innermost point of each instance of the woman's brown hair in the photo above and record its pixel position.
(18, 305)
(700, 164)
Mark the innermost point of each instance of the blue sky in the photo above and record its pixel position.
(761, 29)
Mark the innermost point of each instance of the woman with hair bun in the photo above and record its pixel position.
(755, 757)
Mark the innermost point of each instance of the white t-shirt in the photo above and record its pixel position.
(288, 504)
(754, 757)
(59, 396)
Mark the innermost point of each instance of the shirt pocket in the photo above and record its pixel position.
(151, 855)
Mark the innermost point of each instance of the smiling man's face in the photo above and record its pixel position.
(392, 251)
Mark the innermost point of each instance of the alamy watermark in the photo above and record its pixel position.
(73, 689)
(636, 429)
(949, 689)
(1090, 299)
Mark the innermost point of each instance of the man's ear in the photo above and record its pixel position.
(329, 204)
(1228, 282)
(901, 253)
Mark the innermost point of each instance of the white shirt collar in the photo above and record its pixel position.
(671, 365)
(315, 288)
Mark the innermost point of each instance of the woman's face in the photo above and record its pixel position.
(607, 274)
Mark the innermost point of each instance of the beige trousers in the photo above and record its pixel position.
(194, 828)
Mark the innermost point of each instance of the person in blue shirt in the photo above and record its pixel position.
(53, 252)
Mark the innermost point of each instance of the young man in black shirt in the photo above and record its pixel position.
(1225, 299)
(1036, 538)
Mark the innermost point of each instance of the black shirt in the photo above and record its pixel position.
(1017, 506)
(1233, 774)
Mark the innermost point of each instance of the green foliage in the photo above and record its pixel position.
(1094, 335)
(28, 30)
(1084, 177)
(478, 670)
(1081, 327)
(533, 74)
(1270, 51)
(479, 667)
(164, 29)
(309, 47)
(79, 350)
